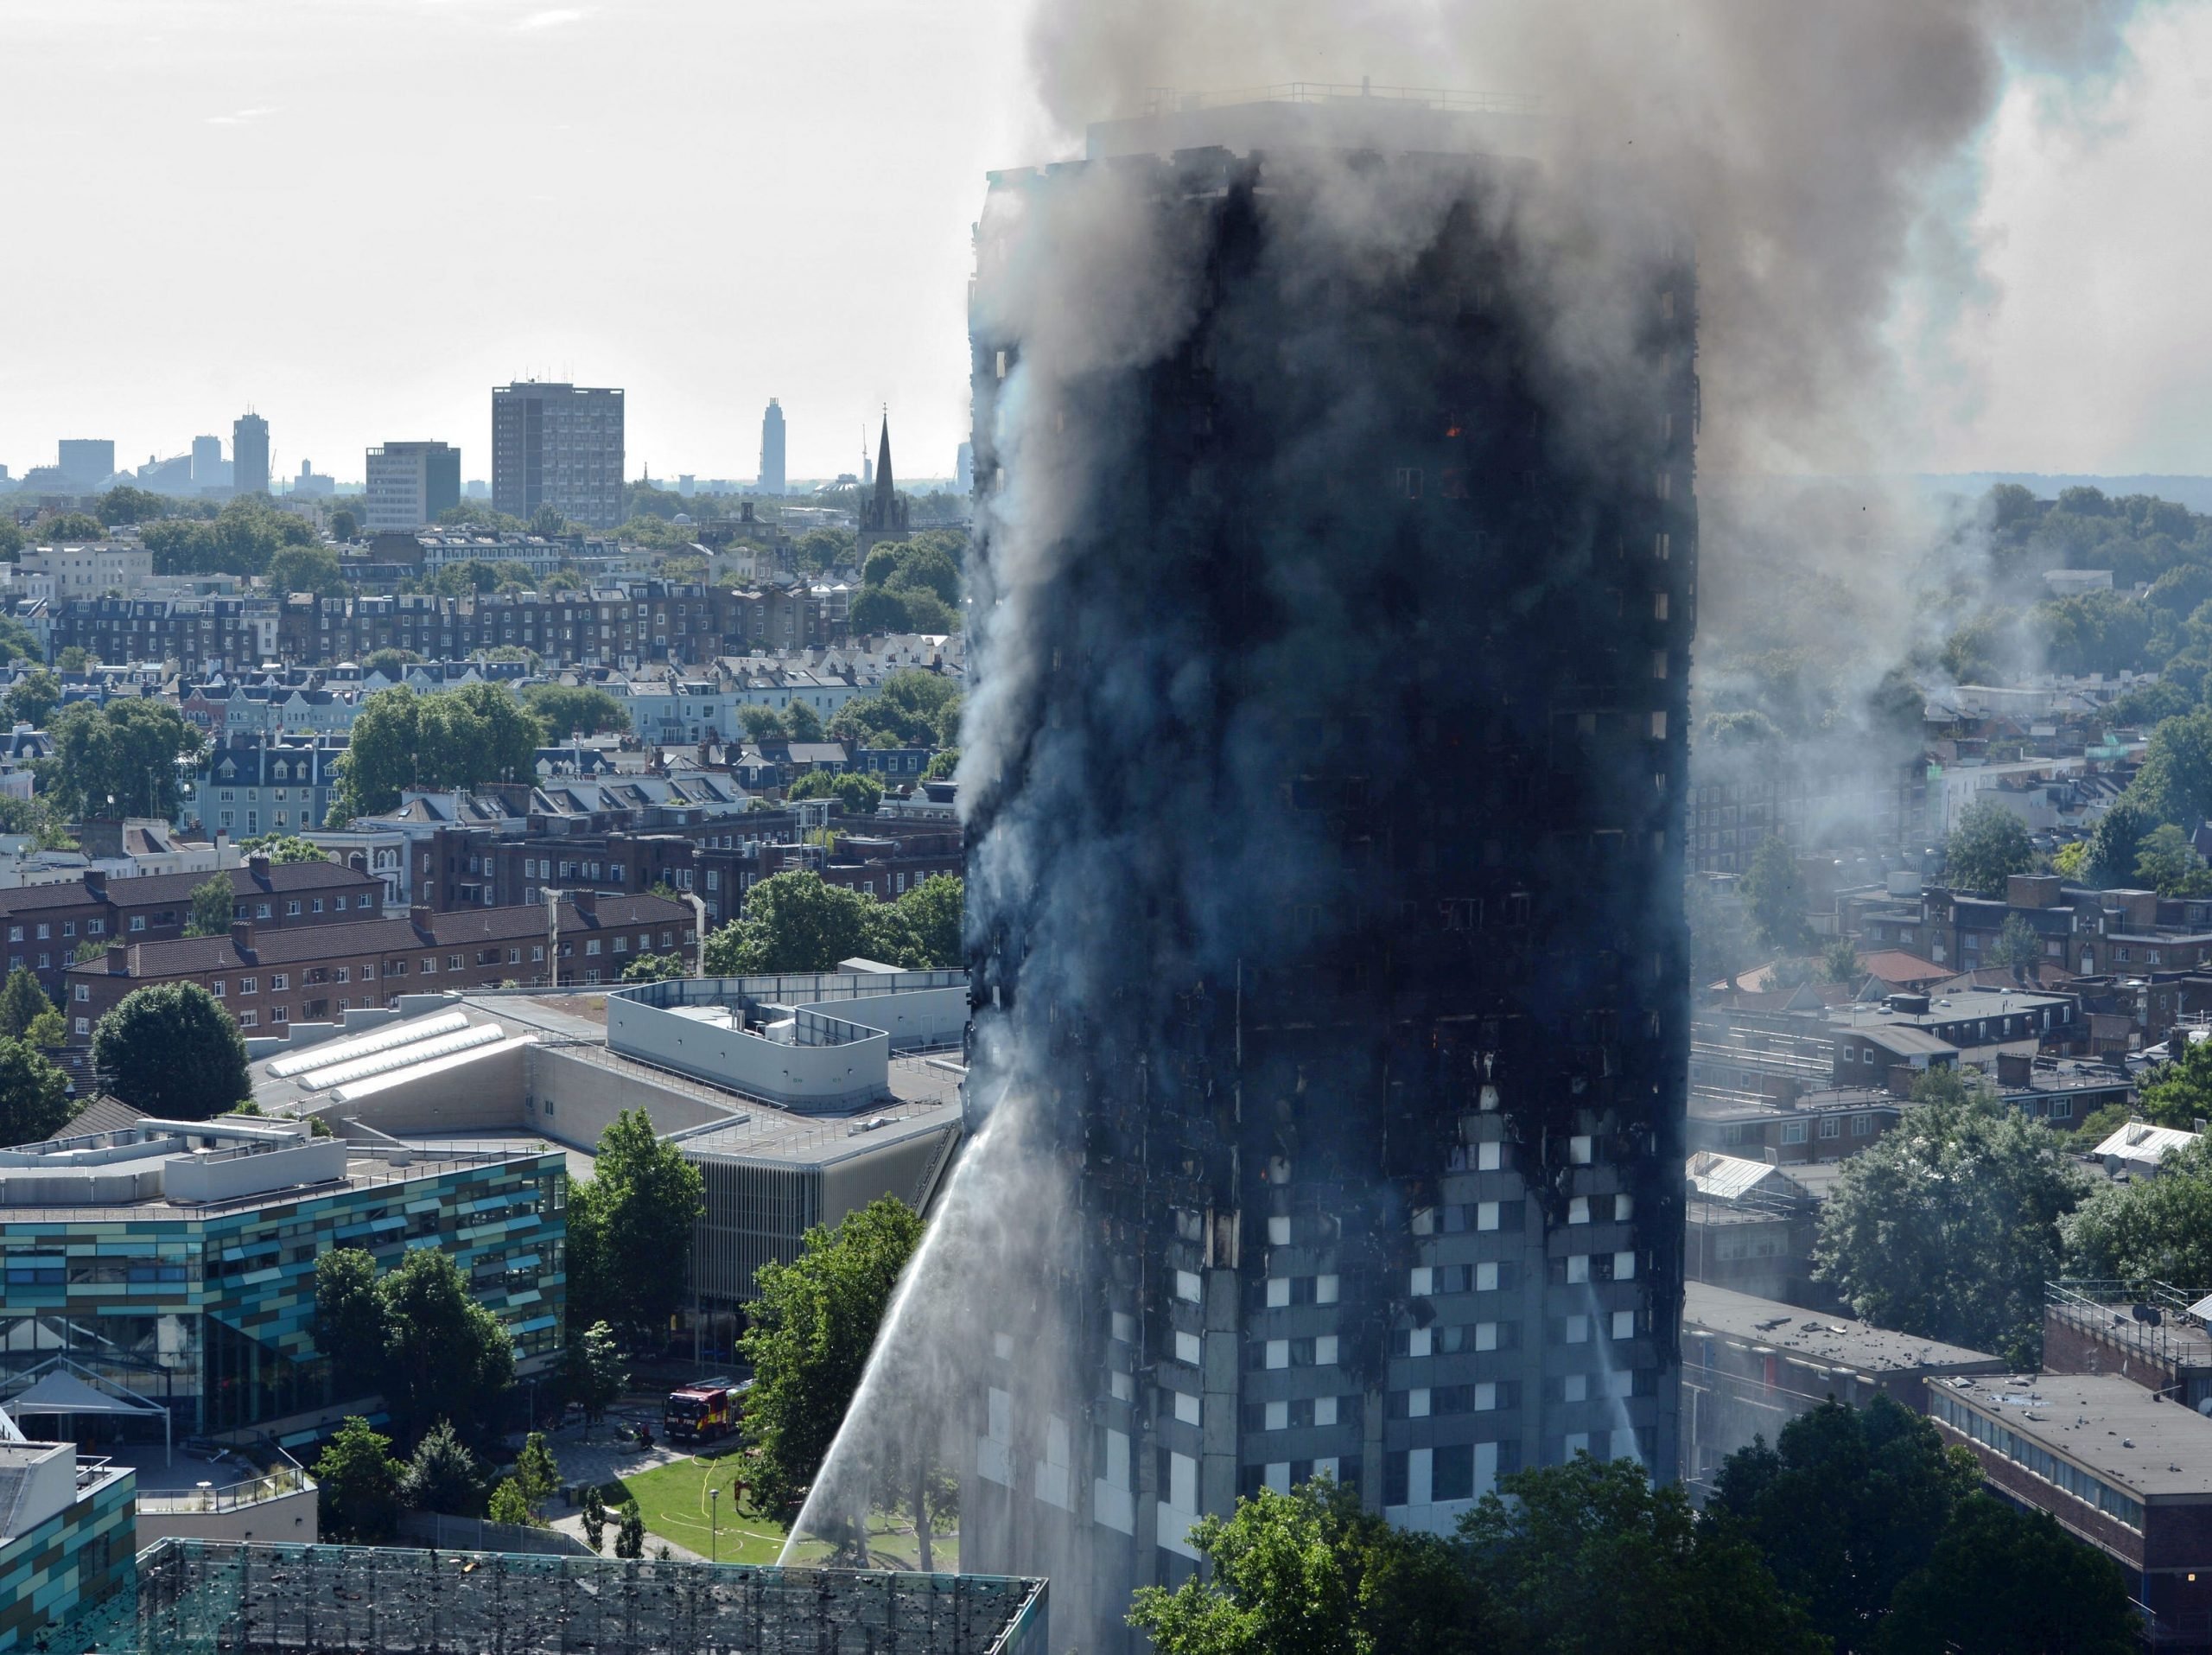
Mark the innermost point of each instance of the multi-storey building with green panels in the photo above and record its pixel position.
(177, 1260)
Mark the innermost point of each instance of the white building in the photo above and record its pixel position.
(86, 571)
(409, 484)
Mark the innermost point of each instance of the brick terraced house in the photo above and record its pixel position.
(268, 980)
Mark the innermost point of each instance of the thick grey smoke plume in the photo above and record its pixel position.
(1130, 856)
(1802, 146)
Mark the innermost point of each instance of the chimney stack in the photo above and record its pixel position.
(257, 864)
(242, 937)
(118, 960)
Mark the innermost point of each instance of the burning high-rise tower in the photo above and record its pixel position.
(1353, 666)
(1323, 768)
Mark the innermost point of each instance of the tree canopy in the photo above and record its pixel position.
(796, 922)
(630, 1228)
(1948, 1226)
(35, 1101)
(244, 539)
(858, 792)
(909, 709)
(212, 905)
(120, 759)
(1988, 846)
(1589, 1558)
(447, 738)
(33, 697)
(2148, 1229)
(1309, 1573)
(2116, 842)
(1775, 895)
(359, 1484)
(281, 847)
(417, 1334)
(306, 569)
(170, 1050)
(564, 708)
(808, 1339)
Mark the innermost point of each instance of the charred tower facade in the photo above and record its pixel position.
(1326, 765)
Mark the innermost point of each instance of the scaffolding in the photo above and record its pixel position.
(198, 1598)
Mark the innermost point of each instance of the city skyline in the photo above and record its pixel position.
(2056, 352)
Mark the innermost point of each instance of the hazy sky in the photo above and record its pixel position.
(359, 215)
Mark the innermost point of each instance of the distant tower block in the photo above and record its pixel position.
(249, 454)
(771, 449)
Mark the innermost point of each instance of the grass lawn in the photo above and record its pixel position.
(673, 1500)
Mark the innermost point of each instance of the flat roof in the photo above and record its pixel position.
(1813, 1339)
(2155, 1448)
(571, 1027)
(364, 1169)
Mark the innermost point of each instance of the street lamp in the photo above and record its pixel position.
(713, 1525)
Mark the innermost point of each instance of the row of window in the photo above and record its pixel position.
(2035, 1459)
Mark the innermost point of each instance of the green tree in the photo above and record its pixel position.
(34, 696)
(2000, 1581)
(170, 1050)
(942, 765)
(564, 708)
(71, 660)
(1775, 895)
(125, 504)
(802, 722)
(18, 642)
(349, 1326)
(442, 1475)
(1948, 1227)
(281, 848)
(475, 514)
(1308, 1573)
(548, 522)
(909, 709)
(35, 1101)
(594, 1517)
(644, 1198)
(2149, 1229)
(2117, 841)
(47, 1030)
(68, 528)
(510, 1504)
(120, 759)
(795, 922)
(763, 724)
(360, 1483)
(860, 794)
(1840, 963)
(1843, 1506)
(390, 662)
(655, 968)
(11, 538)
(2174, 784)
(1988, 846)
(932, 911)
(2017, 947)
(1588, 1558)
(212, 905)
(21, 1003)
(593, 1373)
(448, 738)
(878, 611)
(344, 526)
(307, 569)
(808, 1339)
(2168, 864)
(537, 1474)
(630, 1531)
(445, 1356)
(2179, 1093)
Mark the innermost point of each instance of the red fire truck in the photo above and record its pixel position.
(701, 1412)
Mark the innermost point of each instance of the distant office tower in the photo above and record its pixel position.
(249, 454)
(963, 468)
(410, 485)
(311, 484)
(87, 460)
(557, 445)
(1326, 916)
(772, 448)
(208, 470)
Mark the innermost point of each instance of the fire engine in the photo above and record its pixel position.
(701, 1412)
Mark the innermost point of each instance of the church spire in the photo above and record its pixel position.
(886, 491)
